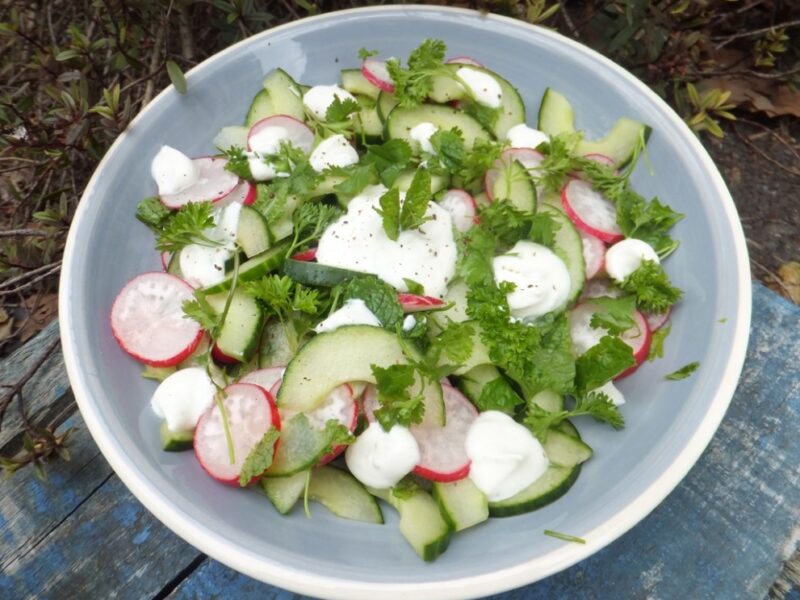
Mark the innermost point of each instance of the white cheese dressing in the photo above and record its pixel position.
(541, 278)
(522, 136)
(610, 390)
(379, 458)
(173, 171)
(483, 87)
(358, 242)
(352, 312)
(203, 265)
(334, 151)
(505, 457)
(421, 134)
(183, 397)
(320, 97)
(624, 257)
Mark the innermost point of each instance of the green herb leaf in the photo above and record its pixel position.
(310, 220)
(498, 394)
(414, 287)
(340, 110)
(260, 457)
(455, 344)
(389, 159)
(485, 115)
(657, 343)
(652, 287)
(238, 163)
(405, 488)
(364, 54)
(201, 311)
(615, 314)
(449, 150)
(684, 372)
(152, 212)
(398, 406)
(413, 85)
(476, 163)
(390, 211)
(358, 177)
(187, 226)
(380, 298)
(601, 363)
(176, 76)
(415, 204)
(595, 404)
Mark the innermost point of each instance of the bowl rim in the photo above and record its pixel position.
(270, 571)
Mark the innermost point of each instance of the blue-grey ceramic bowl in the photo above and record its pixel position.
(669, 423)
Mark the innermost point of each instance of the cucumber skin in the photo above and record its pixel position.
(284, 492)
(330, 486)
(444, 494)
(500, 510)
(253, 268)
(311, 273)
(175, 441)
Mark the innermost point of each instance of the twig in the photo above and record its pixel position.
(185, 32)
(725, 16)
(755, 32)
(568, 20)
(749, 72)
(24, 233)
(775, 278)
(763, 154)
(17, 387)
(52, 267)
(154, 61)
(774, 134)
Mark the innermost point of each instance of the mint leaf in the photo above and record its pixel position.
(398, 406)
(260, 457)
(615, 314)
(683, 372)
(601, 363)
(414, 287)
(358, 177)
(498, 394)
(389, 159)
(390, 211)
(449, 149)
(340, 110)
(380, 298)
(415, 204)
(652, 287)
(152, 212)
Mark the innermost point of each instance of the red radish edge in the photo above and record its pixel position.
(128, 329)
(462, 208)
(609, 237)
(165, 258)
(375, 71)
(306, 256)
(594, 254)
(600, 158)
(463, 60)
(639, 341)
(300, 135)
(214, 183)
(416, 303)
(206, 461)
(221, 358)
(657, 320)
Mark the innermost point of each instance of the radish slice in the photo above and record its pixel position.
(463, 60)
(213, 184)
(267, 378)
(594, 252)
(147, 320)
(591, 212)
(165, 258)
(600, 287)
(244, 193)
(462, 208)
(286, 128)
(306, 256)
(250, 411)
(528, 157)
(416, 303)
(600, 158)
(221, 358)
(657, 320)
(584, 336)
(377, 74)
(442, 453)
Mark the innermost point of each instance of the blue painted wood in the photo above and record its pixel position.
(723, 533)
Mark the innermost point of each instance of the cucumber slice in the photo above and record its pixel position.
(311, 273)
(228, 137)
(619, 143)
(254, 268)
(563, 450)
(353, 81)
(514, 185)
(403, 181)
(368, 122)
(283, 225)
(275, 350)
(175, 441)
(474, 380)
(569, 248)
(285, 94)
(342, 355)
(567, 427)
(174, 265)
(240, 333)
(402, 120)
(549, 400)
(461, 503)
(260, 108)
(421, 522)
(386, 103)
(252, 233)
(326, 185)
(555, 114)
(284, 492)
(301, 446)
(343, 495)
(549, 487)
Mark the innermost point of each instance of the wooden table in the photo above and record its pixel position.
(725, 532)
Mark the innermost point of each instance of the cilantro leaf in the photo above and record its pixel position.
(260, 457)
(652, 287)
(413, 85)
(595, 404)
(601, 363)
(187, 226)
(454, 344)
(476, 163)
(357, 178)
(390, 211)
(616, 314)
(398, 406)
(415, 204)
(340, 110)
(657, 343)
(498, 394)
(683, 372)
(380, 298)
(152, 212)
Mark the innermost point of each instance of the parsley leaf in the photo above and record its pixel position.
(476, 163)
(187, 226)
(152, 212)
(652, 287)
(398, 406)
(282, 296)
(364, 54)
(559, 161)
(683, 372)
(595, 404)
(498, 394)
(340, 110)
(380, 298)
(238, 163)
(415, 204)
(454, 344)
(657, 343)
(260, 457)
(413, 85)
(601, 363)
(390, 211)
(615, 314)
(201, 311)
(510, 225)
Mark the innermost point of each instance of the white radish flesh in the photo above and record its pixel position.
(590, 211)
(594, 251)
(462, 208)
(214, 183)
(266, 135)
(377, 74)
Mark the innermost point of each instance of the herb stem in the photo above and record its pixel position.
(564, 536)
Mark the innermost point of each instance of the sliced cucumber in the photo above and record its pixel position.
(568, 247)
(421, 522)
(567, 427)
(461, 503)
(175, 441)
(343, 495)
(353, 81)
(275, 350)
(476, 379)
(555, 114)
(514, 185)
(284, 492)
(301, 447)
(327, 184)
(228, 137)
(252, 233)
(549, 400)
(457, 295)
(368, 122)
(260, 108)
(549, 487)
(403, 181)
(386, 103)
(347, 354)
(174, 265)
(285, 94)
(240, 333)
(254, 268)
(402, 120)
(564, 450)
(312, 273)
(618, 144)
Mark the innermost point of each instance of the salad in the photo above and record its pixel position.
(392, 287)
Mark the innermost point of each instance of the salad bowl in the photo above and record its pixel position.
(669, 423)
